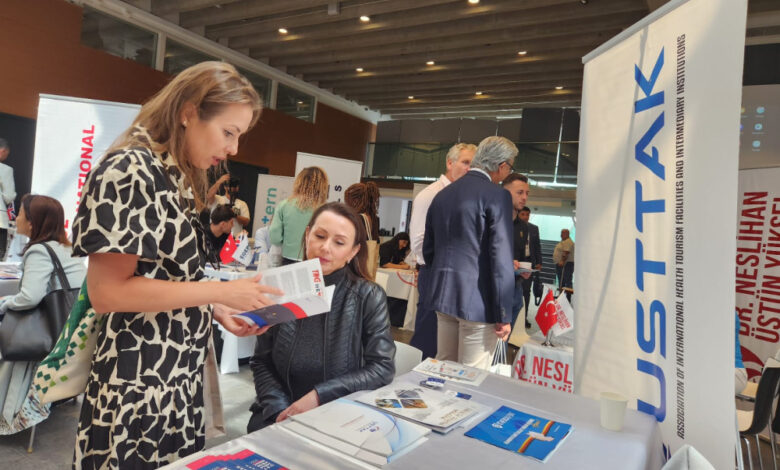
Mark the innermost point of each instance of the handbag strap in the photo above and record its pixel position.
(58, 270)
(368, 226)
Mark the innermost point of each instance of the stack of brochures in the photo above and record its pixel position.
(243, 460)
(305, 294)
(431, 408)
(358, 431)
(520, 432)
(452, 371)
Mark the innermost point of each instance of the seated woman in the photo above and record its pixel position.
(393, 252)
(302, 364)
(42, 219)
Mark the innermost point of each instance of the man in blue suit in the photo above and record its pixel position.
(468, 249)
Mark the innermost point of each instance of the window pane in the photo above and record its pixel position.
(178, 57)
(295, 103)
(262, 85)
(118, 38)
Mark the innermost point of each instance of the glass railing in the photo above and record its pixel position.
(548, 164)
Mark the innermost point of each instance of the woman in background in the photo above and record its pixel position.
(42, 219)
(310, 191)
(364, 198)
(302, 364)
(393, 252)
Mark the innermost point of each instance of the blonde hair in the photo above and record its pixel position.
(454, 153)
(209, 86)
(310, 189)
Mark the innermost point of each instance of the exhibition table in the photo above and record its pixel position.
(402, 284)
(9, 287)
(636, 447)
(547, 366)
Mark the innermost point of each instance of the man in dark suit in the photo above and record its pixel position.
(517, 185)
(468, 250)
(533, 252)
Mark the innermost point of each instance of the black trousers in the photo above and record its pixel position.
(3, 242)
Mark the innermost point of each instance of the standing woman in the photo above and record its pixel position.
(42, 219)
(138, 223)
(364, 198)
(310, 190)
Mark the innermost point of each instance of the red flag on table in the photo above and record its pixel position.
(547, 315)
(230, 247)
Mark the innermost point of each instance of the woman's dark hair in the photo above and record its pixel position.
(401, 236)
(358, 264)
(222, 213)
(47, 220)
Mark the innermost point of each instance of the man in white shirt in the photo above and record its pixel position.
(458, 164)
(230, 198)
(8, 191)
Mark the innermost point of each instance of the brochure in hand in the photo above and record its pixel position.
(452, 371)
(358, 430)
(304, 290)
(244, 460)
(520, 432)
(432, 408)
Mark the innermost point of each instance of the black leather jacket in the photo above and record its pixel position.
(359, 349)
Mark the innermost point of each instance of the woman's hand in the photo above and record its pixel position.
(307, 402)
(224, 315)
(247, 294)
(503, 330)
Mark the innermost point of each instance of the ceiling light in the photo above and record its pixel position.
(359, 69)
(522, 53)
(430, 62)
(473, 2)
(282, 31)
(365, 19)
(559, 87)
(479, 93)
(411, 97)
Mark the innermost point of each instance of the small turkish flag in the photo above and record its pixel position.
(230, 247)
(547, 315)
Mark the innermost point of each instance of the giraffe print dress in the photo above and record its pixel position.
(144, 405)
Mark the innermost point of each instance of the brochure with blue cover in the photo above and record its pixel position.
(526, 434)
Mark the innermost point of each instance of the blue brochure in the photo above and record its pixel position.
(520, 432)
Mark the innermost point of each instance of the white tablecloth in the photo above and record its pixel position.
(399, 282)
(9, 287)
(637, 447)
(546, 366)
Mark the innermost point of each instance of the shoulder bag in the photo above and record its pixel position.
(29, 335)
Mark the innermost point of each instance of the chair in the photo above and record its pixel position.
(751, 423)
(406, 358)
(687, 458)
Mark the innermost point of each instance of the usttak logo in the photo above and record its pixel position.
(647, 215)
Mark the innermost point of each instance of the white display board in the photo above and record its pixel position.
(71, 136)
(271, 190)
(657, 187)
(342, 173)
(758, 266)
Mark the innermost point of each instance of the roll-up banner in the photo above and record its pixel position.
(271, 190)
(656, 239)
(758, 266)
(341, 172)
(71, 135)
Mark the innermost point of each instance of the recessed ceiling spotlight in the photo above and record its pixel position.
(479, 93)
(411, 97)
(559, 87)
(282, 30)
(473, 2)
(522, 52)
(365, 19)
(584, 2)
(430, 62)
(359, 69)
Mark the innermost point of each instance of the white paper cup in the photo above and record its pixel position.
(613, 410)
